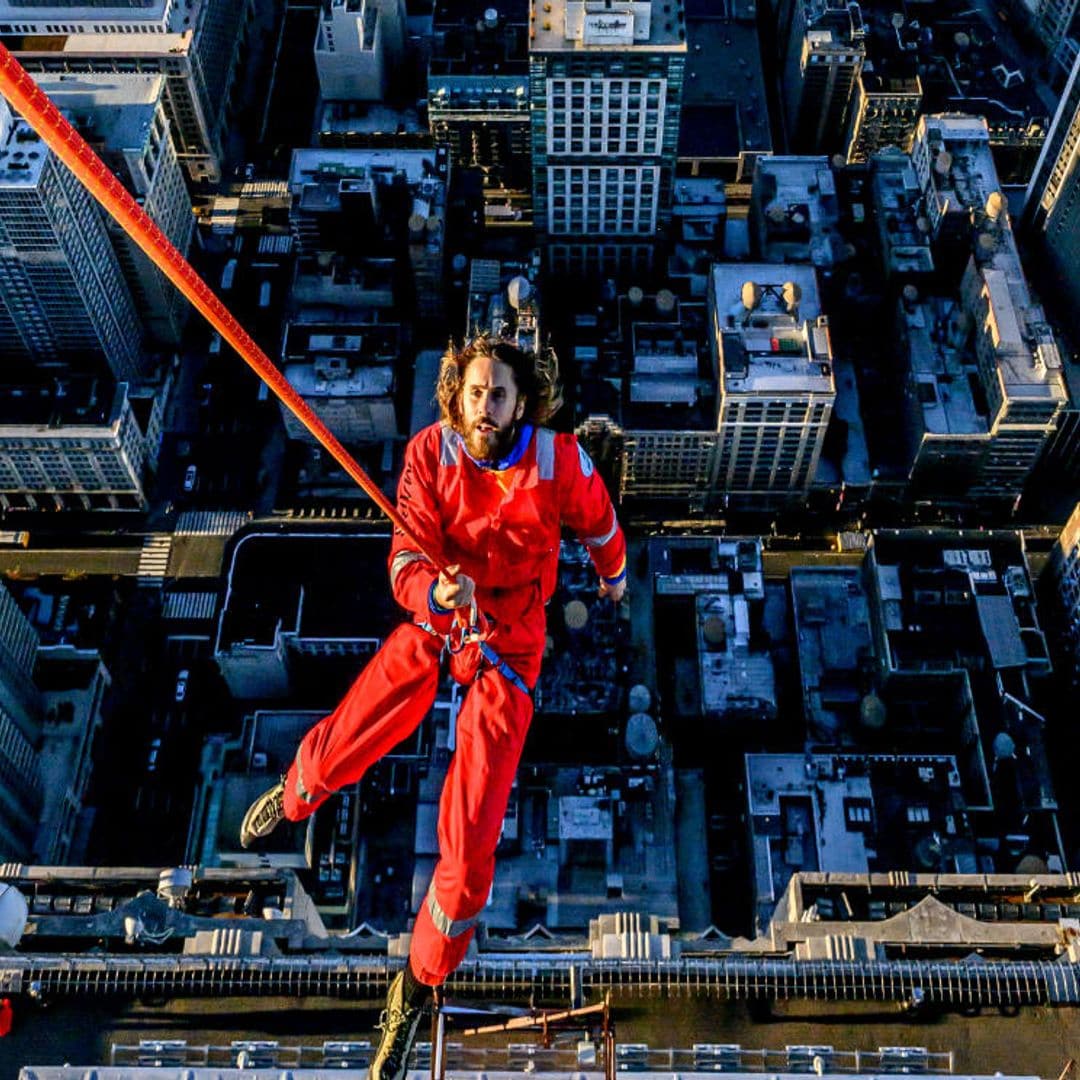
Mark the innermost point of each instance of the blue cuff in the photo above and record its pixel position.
(434, 606)
(615, 580)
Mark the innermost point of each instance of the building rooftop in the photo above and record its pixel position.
(468, 42)
(380, 165)
(75, 401)
(903, 228)
(851, 814)
(317, 585)
(724, 105)
(593, 26)
(948, 397)
(797, 212)
(777, 345)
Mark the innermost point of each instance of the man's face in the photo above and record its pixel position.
(490, 408)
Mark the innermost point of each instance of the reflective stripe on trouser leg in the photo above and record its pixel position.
(491, 728)
(384, 705)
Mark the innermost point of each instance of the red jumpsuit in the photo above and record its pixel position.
(504, 529)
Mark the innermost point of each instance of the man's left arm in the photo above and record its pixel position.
(588, 511)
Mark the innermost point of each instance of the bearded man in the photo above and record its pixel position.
(490, 488)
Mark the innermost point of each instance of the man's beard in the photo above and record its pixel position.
(491, 445)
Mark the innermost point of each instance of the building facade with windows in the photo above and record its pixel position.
(124, 118)
(75, 442)
(775, 370)
(21, 795)
(62, 292)
(606, 91)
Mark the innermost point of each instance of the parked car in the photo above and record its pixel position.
(191, 476)
(181, 684)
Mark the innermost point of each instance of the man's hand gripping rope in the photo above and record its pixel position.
(458, 591)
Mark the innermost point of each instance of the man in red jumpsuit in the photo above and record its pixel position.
(489, 489)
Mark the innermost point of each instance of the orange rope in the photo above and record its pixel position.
(34, 105)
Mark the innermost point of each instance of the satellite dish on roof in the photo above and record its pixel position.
(872, 712)
(665, 301)
(995, 205)
(897, 19)
(640, 698)
(922, 223)
(750, 294)
(641, 737)
(714, 631)
(576, 615)
(792, 294)
(961, 40)
(911, 294)
(13, 912)
(776, 213)
(838, 161)
(635, 294)
(519, 289)
(1004, 746)
(943, 163)
(986, 242)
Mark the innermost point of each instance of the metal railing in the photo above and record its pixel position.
(951, 984)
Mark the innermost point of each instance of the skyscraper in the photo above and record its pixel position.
(196, 45)
(606, 90)
(358, 44)
(62, 292)
(1061, 590)
(123, 117)
(823, 57)
(20, 731)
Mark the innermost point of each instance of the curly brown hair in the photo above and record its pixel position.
(536, 376)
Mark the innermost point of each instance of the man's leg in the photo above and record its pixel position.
(491, 729)
(384, 705)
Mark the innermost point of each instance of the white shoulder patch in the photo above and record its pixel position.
(586, 462)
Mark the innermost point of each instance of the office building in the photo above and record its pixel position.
(359, 45)
(606, 95)
(947, 429)
(773, 358)
(21, 789)
(1052, 21)
(196, 46)
(885, 112)
(1060, 587)
(62, 292)
(852, 815)
(73, 443)
(273, 642)
(1053, 197)
(345, 371)
(946, 604)
(124, 119)
(1018, 361)
(366, 204)
(504, 300)
(824, 52)
(478, 102)
(795, 213)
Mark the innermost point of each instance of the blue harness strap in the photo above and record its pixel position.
(503, 668)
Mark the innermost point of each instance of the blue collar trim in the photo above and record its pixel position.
(511, 459)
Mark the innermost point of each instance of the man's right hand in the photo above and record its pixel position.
(454, 590)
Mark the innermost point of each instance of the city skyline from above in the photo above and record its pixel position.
(800, 801)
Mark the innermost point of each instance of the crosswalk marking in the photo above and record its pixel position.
(154, 560)
(210, 522)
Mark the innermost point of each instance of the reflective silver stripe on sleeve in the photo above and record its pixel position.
(545, 453)
(401, 560)
(443, 923)
(600, 541)
(450, 454)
